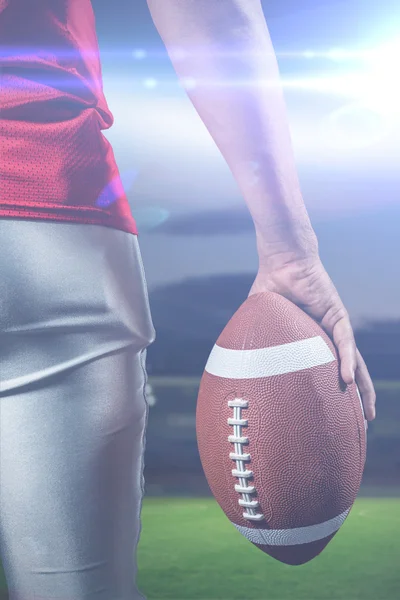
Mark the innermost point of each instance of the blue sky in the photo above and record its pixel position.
(338, 62)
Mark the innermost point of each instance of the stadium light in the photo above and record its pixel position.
(139, 54)
(150, 83)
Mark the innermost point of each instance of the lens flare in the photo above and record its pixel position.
(354, 126)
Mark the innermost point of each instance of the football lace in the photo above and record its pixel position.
(241, 458)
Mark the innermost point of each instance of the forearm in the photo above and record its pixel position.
(225, 47)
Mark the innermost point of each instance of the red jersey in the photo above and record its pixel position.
(55, 163)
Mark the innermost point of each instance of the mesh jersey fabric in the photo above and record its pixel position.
(55, 163)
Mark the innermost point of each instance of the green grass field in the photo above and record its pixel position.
(190, 551)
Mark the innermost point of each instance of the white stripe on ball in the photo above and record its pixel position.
(267, 362)
(293, 537)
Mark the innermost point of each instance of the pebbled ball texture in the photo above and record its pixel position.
(302, 429)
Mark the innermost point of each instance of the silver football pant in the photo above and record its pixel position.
(74, 327)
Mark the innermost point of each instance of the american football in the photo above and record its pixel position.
(281, 437)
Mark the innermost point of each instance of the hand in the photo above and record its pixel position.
(306, 283)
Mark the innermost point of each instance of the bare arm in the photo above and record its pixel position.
(238, 96)
(224, 45)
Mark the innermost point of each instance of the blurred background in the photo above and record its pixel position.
(339, 67)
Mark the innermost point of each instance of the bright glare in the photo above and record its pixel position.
(356, 107)
(150, 83)
(354, 126)
(385, 57)
(375, 84)
(382, 85)
(338, 54)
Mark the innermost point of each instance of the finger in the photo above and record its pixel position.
(343, 337)
(365, 387)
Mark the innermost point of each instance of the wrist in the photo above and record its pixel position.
(286, 242)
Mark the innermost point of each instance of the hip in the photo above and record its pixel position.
(69, 294)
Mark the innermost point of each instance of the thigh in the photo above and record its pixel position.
(74, 325)
(71, 453)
